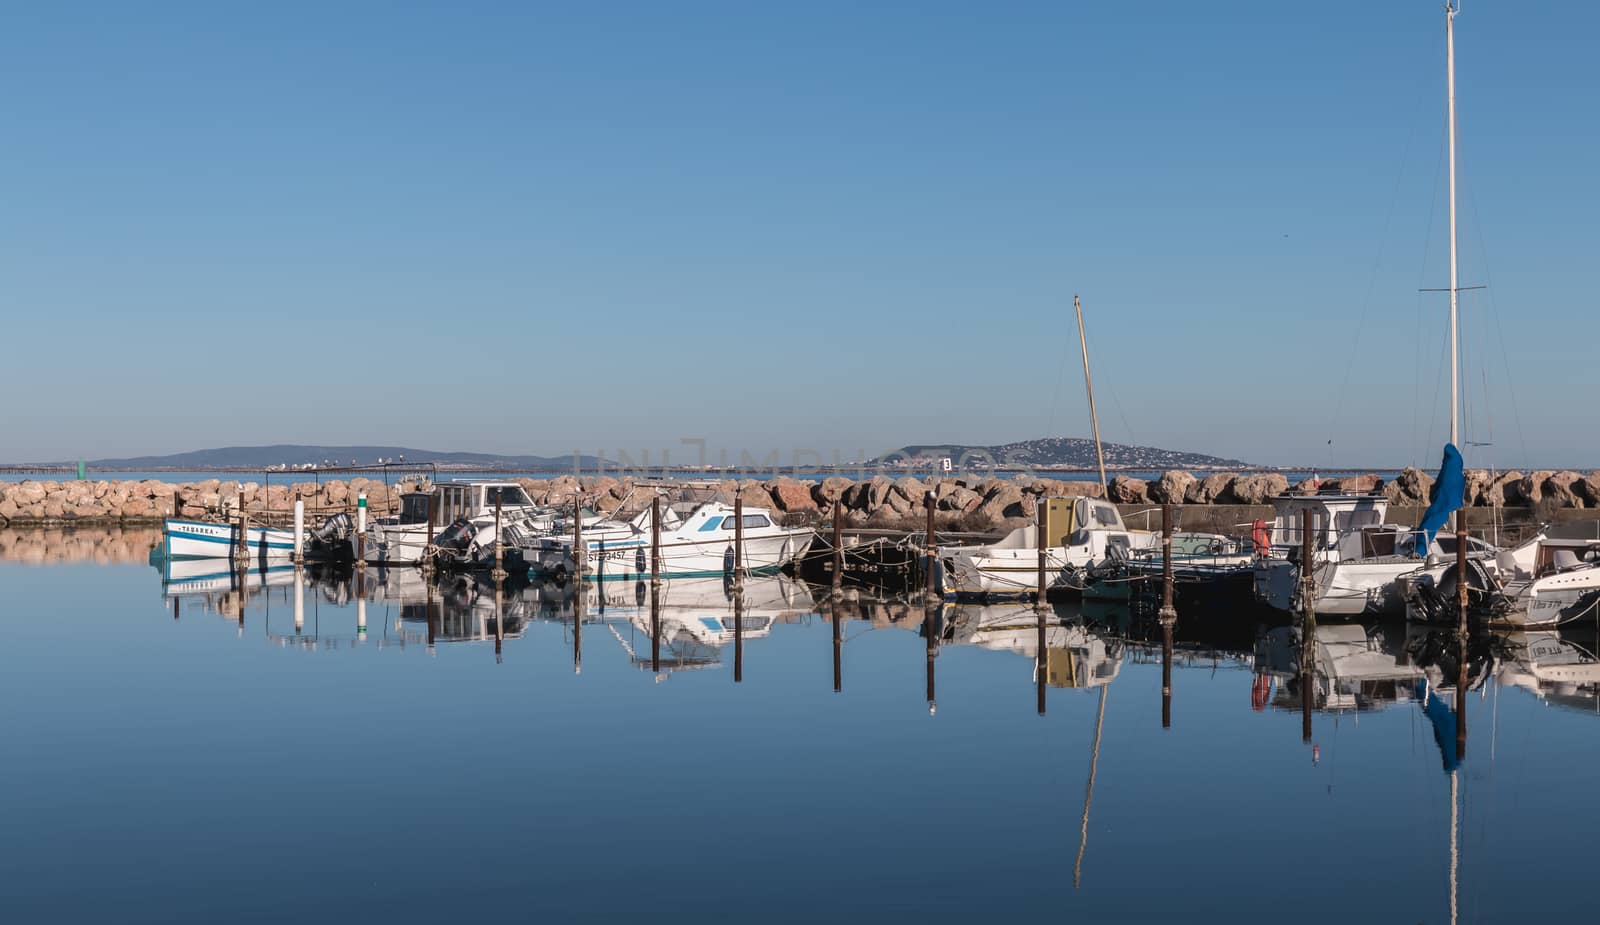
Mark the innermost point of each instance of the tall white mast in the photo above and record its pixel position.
(1452, 7)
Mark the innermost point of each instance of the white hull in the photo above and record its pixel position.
(628, 558)
(396, 544)
(194, 539)
(1350, 589)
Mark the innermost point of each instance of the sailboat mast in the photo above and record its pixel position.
(1094, 416)
(1450, 10)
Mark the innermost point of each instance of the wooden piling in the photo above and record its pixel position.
(1168, 612)
(655, 540)
(1308, 623)
(499, 547)
(738, 543)
(738, 635)
(931, 556)
(1166, 673)
(838, 645)
(1041, 663)
(577, 638)
(931, 631)
(655, 628)
(433, 522)
(838, 546)
(1463, 636)
(577, 536)
(1040, 515)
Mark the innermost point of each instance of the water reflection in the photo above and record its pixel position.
(1237, 694)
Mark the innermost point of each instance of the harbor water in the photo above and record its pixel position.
(187, 747)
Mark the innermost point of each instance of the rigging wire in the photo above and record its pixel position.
(1422, 278)
(1377, 262)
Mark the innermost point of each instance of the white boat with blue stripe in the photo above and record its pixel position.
(199, 539)
(695, 542)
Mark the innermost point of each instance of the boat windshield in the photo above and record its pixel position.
(507, 495)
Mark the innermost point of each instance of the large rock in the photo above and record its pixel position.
(1126, 490)
(1410, 488)
(1496, 494)
(792, 496)
(830, 490)
(138, 507)
(26, 493)
(1259, 488)
(1213, 489)
(1006, 501)
(1172, 487)
(1528, 490)
(1588, 488)
(962, 500)
(1353, 484)
(1559, 489)
(1477, 482)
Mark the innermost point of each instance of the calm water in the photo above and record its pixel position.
(181, 751)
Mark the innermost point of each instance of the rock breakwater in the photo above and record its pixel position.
(966, 503)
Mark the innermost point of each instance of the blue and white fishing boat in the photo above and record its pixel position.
(199, 539)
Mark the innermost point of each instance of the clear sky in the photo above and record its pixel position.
(531, 227)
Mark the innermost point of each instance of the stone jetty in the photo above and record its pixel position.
(972, 503)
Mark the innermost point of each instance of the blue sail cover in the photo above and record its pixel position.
(1443, 719)
(1448, 493)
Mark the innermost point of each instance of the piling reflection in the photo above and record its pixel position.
(1296, 676)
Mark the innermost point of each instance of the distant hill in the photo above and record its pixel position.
(260, 457)
(1061, 452)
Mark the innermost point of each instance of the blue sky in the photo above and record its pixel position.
(533, 227)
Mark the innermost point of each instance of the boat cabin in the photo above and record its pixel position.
(1347, 526)
(476, 499)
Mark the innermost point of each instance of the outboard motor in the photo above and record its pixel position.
(331, 541)
(453, 545)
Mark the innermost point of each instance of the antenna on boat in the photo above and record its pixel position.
(1094, 417)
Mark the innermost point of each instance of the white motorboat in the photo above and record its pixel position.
(199, 539)
(1358, 560)
(696, 540)
(1079, 532)
(402, 539)
(1546, 581)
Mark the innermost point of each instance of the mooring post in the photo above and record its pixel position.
(932, 633)
(499, 623)
(578, 556)
(655, 629)
(578, 602)
(1168, 612)
(655, 540)
(299, 530)
(1463, 634)
(433, 615)
(738, 543)
(361, 532)
(738, 634)
(932, 556)
(361, 607)
(433, 520)
(1041, 517)
(1041, 664)
(838, 645)
(499, 548)
(1308, 623)
(1166, 674)
(838, 546)
(299, 599)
